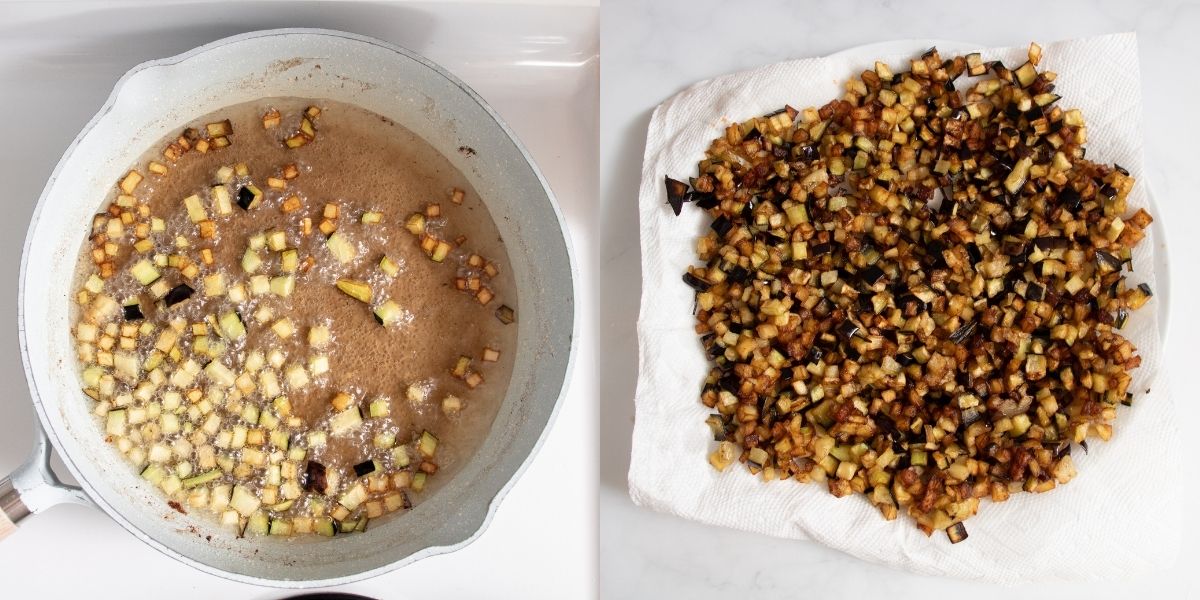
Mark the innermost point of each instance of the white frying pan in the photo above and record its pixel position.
(158, 97)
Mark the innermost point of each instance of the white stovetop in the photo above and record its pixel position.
(537, 67)
(653, 50)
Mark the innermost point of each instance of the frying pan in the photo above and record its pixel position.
(159, 97)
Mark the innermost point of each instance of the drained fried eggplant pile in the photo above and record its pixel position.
(916, 291)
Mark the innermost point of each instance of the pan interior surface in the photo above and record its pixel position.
(159, 97)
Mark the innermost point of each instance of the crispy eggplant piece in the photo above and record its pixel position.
(956, 532)
(676, 194)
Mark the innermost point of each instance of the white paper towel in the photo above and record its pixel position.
(1117, 517)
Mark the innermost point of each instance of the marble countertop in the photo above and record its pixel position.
(651, 50)
(536, 65)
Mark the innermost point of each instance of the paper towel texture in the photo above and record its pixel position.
(1116, 518)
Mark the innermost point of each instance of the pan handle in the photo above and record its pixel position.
(34, 487)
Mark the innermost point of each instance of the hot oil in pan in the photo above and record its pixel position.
(359, 178)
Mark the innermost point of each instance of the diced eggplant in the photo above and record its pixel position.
(365, 467)
(282, 285)
(244, 501)
(178, 294)
(345, 421)
(821, 249)
(379, 408)
(1035, 291)
(315, 478)
(202, 479)
(325, 526)
(461, 367)
(415, 224)
(341, 248)
(1137, 297)
(232, 325)
(1108, 261)
(130, 182)
(219, 129)
(195, 209)
(133, 312)
(400, 457)
(307, 129)
(353, 497)
(696, 283)
(115, 422)
(506, 314)
(848, 329)
(722, 225)
(871, 275)
(258, 523)
(702, 200)
(428, 444)
(271, 119)
(359, 290)
(289, 260)
(1052, 243)
(1004, 292)
(281, 527)
(389, 313)
(440, 251)
(144, 272)
(451, 404)
(676, 193)
(956, 532)
(389, 266)
(249, 197)
(963, 333)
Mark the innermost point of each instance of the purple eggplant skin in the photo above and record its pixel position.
(245, 198)
(964, 332)
(848, 329)
(871, 275)
(178, 294)
(957, 533)
(315, 477)
(722, 225)
(696, 283)
(364, 468)
(133, 312)
(705, 201)
(676, 194)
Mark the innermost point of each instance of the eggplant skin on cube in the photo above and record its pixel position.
(133, 312)
(248, 197)
(957, 533)
(676, 194)
(315, 479)
(178, 294)
(364, 468)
